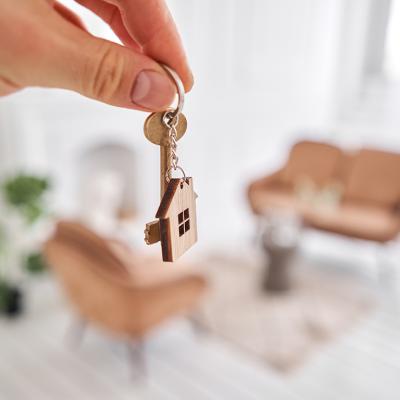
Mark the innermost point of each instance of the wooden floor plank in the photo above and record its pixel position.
(35, 363)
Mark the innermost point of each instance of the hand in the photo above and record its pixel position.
(42, 43)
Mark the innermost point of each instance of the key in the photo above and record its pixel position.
(176, 224)
(157, 133)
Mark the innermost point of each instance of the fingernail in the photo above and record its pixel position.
(152, 90)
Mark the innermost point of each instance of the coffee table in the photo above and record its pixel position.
(280, 241)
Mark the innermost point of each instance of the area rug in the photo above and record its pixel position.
(285, 328)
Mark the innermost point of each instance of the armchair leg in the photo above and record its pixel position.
(137, 358)
(196, 326)
(76, 331)
(385, 268)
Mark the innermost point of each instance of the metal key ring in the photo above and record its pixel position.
(180, 90)
(168, 176)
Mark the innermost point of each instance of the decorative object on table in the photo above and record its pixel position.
(283, 330)
(323, 198)
(176, 226)
(23, 209)
(361, 190)
(280, 239)
(110, 286)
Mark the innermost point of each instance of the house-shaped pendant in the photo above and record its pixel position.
(177, 218)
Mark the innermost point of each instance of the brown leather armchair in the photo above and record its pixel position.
(114, 289)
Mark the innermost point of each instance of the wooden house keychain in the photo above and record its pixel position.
(176, 225)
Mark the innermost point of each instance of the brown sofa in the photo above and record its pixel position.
(366, 184)
(113, 288)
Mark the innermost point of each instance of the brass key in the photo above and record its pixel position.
(176, 224)
(157, 133)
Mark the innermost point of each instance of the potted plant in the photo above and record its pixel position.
(22, 208)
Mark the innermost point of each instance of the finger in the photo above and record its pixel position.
(61, 55)
(112, 16)
(150, 23)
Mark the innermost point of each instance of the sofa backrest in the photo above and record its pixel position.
(313, 160)
(374, 177)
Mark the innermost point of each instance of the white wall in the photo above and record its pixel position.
(264, 73)
(367, 101)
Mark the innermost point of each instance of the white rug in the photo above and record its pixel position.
(282, 328)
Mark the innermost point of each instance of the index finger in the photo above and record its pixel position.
(150, 23)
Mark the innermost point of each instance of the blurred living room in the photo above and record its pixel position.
(292, 290)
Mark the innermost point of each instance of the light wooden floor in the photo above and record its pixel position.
(36, 363)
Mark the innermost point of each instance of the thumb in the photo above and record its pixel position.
(102, 70)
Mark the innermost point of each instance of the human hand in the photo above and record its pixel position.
(42, 43)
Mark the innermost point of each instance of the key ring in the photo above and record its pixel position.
(180, 91)
(168, 173)
(170, 120)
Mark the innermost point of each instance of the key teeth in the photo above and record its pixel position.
(152, 232)
(147, 236)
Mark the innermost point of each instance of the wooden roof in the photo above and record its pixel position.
(166, 201)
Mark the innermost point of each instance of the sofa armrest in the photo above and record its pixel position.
(259, 185)
(265, 182)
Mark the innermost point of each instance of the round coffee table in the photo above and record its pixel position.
(280, 240)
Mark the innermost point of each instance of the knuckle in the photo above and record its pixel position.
(107, 75)
(7, 86)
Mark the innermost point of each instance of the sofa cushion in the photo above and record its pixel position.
(354, 219)
(375, 177)
(357, 220)
(344, 166)
(312, 160)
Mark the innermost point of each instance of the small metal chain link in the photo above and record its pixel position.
(171, 121)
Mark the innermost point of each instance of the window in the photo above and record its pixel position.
(184, 222)
(381, 59)
(368, 80)
(391, 61)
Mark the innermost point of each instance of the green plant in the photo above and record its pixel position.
(34, 263)
(26, 193)
(4, 295)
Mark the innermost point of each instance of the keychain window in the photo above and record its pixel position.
(184, 222)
